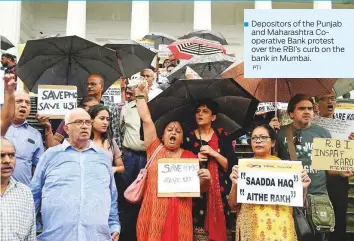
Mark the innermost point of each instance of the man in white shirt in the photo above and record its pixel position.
(154, 90)
(134, 158)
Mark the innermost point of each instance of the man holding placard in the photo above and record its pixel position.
(26, 139)
(301, 110)
(94, 86)
(337, 186)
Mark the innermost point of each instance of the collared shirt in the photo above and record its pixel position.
(29, 147)
(130, 127)
(154, 91)
(17, 219)
(77, 194)
(114, 117)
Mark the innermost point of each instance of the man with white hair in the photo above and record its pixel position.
(150, 77)
(26, 139)
(75, 188)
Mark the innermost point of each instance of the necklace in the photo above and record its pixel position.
(174, 154)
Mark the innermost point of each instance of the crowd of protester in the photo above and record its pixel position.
(77, 175)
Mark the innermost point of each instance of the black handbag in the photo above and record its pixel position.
(301, 222)
(302, 226)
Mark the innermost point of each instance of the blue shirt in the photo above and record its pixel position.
(28, 143)
(77, 194)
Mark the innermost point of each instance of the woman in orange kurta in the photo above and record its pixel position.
(263, 222)
(164, 219)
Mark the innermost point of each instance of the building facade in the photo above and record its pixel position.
(103, 21)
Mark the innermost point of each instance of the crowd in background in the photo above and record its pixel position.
(77, 175)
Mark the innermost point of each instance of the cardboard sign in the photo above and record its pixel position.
(55, 101)
(339, 129)
(344, 111)
(332, 154)
(2, 86)
(177, 177)
(270, 182)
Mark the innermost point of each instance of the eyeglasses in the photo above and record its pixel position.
(92, 84)
(81, 122)
(261, 138)
(326, 99)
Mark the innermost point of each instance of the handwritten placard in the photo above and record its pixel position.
(177, 177)
(332, 154)
(2, 86)
(55, 101)
(339, 129)
(270, 182)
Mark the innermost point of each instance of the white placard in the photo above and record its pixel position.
(164, 51)
(56, 100)
(113, 93)
(178, 178)
(344, 111)
(339, 129)
(270, 182)
(2, 86)
(271, 106)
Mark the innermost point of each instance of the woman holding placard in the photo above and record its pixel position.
(263, 222)
(102, 136)
(163, 218)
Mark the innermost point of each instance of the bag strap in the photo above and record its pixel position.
(153, 156)
(293, 157)
(290, 141)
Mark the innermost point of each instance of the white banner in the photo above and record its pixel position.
(270, 182)
(339, 129)
(271, 106)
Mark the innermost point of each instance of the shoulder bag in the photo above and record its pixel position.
(134, 192)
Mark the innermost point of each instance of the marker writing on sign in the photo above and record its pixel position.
(55, 106)
(178, 168)
(58, 95)
(338, 144)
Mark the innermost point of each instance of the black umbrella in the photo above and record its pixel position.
(5, 44)
(132, 56)
(160, 38)
(66, 61)
(236, 106)
(206, 34)
(207, 67)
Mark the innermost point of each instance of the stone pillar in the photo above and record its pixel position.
(202, 15)
(76, 19)
(140, 19)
